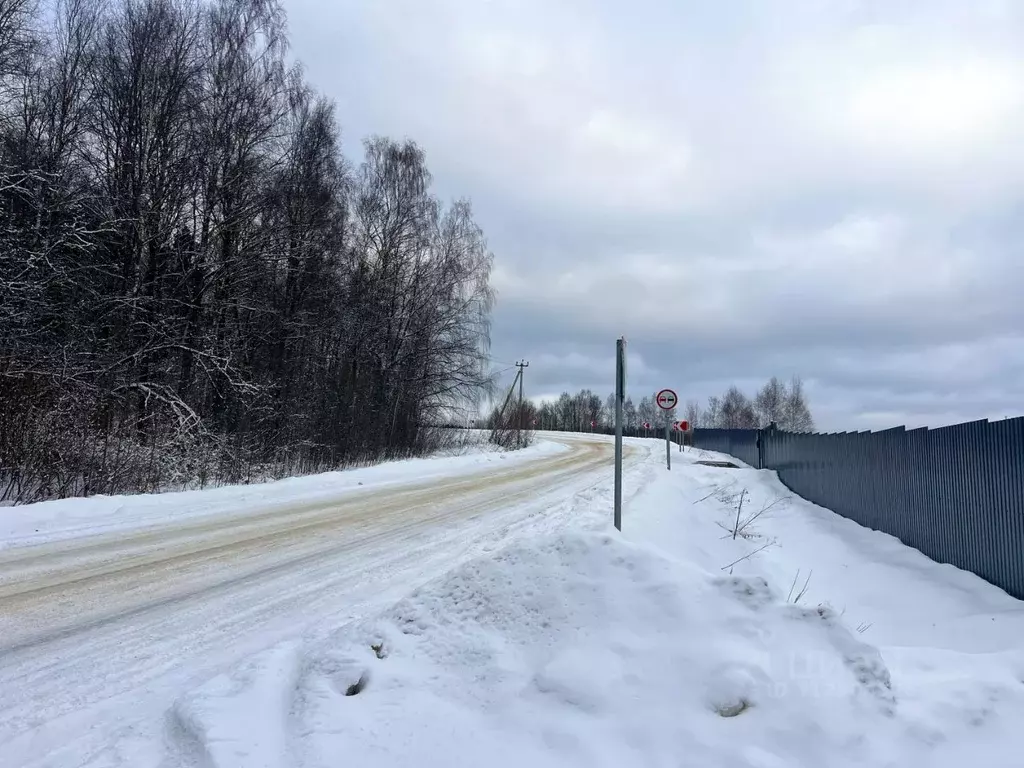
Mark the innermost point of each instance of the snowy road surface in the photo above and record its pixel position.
(94, 627)
(481, 610)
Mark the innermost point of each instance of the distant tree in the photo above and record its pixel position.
(647, 411)
(545, 415)
(564, 412)
(797, 414)
(693, 413)
(629, 414)
(733, 410)
(608, 413)
(713, 413)
(771, 403)
(784, 404)
(592, 408)
(737, 412)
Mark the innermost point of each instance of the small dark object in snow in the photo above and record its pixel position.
(358, 686)
(710, 463)
(732, 710)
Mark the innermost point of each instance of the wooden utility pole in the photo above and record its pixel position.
(519, 419)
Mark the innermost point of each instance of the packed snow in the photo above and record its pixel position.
(104, 622)
(77, 517)
(705, 634)
(593, 649)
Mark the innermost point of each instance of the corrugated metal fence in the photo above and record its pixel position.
(741, 443)
(955, 493)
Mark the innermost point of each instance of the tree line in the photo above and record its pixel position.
(196, 283)
(785, 404)
(781, 403)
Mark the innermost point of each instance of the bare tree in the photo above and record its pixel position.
(629, 414)
(713, 413)
(797, 413)
(647, 411)
(693, 413)
(785, 405)
(17, 42)
(770, 403)
(197, 287)
(737, 412)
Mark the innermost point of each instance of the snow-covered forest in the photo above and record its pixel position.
(196, 285)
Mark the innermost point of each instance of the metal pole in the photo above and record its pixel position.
(620, 394)
(668, 444)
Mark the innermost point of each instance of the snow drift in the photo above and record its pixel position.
(582, 649)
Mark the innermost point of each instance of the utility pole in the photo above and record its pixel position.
(519, 420)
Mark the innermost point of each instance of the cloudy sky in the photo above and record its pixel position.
(828, 188)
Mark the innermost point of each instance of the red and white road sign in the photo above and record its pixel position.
(647, 425)
(684, 426)
(593, 423)
(667, 399)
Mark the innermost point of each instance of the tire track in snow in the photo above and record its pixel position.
(94, 619)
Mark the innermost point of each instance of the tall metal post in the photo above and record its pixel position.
(620, 395)
(668, 444)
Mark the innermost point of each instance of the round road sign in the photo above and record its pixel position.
(667, 399)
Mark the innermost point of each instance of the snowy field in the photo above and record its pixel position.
(512, 625)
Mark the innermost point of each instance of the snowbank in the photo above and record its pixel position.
(907, 599)
(589, 649)
(70, 518)
(583, 649)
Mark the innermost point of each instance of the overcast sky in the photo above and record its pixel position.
(826, 188)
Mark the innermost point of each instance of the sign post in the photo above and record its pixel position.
(620, 395)
(667, 400)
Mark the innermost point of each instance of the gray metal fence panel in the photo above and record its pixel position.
(741, 443)
(955, 493)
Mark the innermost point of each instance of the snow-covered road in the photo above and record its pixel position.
(481, 610)
(96, 628)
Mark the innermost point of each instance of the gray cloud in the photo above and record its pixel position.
(825, 189)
